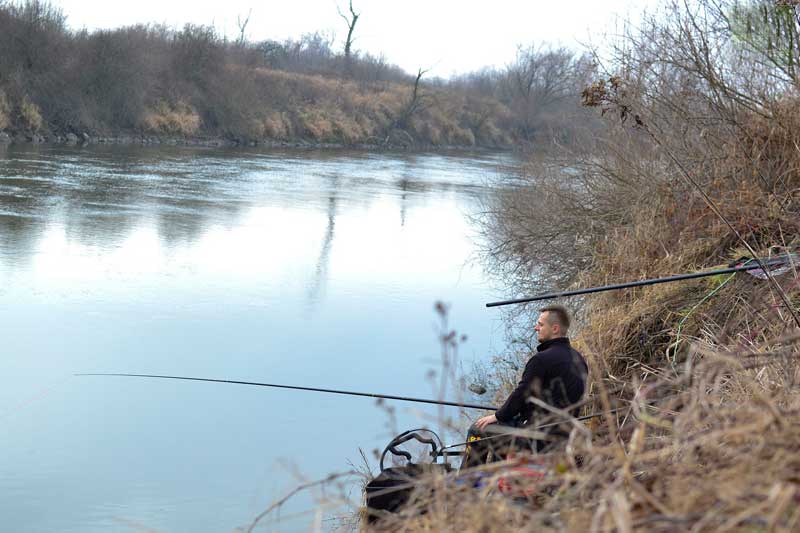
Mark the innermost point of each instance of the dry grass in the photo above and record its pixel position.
(115, 81)
(681, 180)
(715, 447)
(5, 111)
(30, 116)
(179, 119)
(755, 189)
(706, 373)
(322, 109)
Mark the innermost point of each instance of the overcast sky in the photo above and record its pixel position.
(446, 36)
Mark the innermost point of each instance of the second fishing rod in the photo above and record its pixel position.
(748, 265)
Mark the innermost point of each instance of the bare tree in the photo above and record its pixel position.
(538, 81)
(415, 104)
(351, 21)
(241, 23)
(771, 31)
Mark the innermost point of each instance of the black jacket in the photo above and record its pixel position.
(556, 374)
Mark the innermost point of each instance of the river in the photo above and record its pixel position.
(304, 267)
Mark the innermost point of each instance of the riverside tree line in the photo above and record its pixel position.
(193, 82)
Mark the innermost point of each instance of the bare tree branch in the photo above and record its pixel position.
(242, 23)
(351, 21)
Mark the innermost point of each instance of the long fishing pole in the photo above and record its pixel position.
(295, 387)
(654, 281)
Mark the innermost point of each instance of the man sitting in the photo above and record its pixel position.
(556, 375)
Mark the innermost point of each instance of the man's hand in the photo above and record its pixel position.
(485, 421)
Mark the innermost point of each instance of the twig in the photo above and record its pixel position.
(292, 493)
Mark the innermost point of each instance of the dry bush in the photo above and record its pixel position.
(755, 190)
(277, 126)
(377, 108)
(443, 124)
(312, 53)
(314, 124)
(484, 116)
(346, 128)
(30, 117)
(5, 111)
(110, 81)
(331, 110)
(540, 86)
(178, 119)
(712, 448)
(117, 76)
(698, 165)
(627, 202)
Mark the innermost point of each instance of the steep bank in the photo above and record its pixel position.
(698, 166)
(152, 81)
(313, 110)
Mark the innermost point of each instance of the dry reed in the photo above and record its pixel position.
(714, 447)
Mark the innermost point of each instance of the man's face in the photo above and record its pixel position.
(545, 329)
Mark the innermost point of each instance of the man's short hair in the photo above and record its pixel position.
(557, 314)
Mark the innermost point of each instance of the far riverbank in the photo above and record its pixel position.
(140, 139)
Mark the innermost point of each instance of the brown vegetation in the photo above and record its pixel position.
(153, 79)
(5, 111)
(720, 454)
(698, 165)
(179, 119)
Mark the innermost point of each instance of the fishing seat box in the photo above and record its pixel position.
(390, 490)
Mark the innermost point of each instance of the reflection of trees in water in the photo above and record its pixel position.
(403, 197)
(320, 278)
(184, 221)
(25, 205)
(18, 239)
(407, 185)
(102, 195)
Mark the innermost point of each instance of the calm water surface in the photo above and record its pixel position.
(305, 268)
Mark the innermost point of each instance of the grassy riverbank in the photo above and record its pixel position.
(698, 166)
(310, 109)
(191, 84)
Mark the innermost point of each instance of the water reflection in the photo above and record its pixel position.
(285, 267)
(18, 237)
(183, 193)
(321, 270)
(101, 204)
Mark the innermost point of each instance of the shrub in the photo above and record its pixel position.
(129, 78)
(697, 165)
(29, 116)
(678, 181)
(5, 111)
(179, 119)
(315, 124)
(275, 126)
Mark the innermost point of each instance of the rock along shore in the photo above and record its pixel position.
(73, 139)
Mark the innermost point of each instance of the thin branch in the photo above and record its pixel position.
(298, 489)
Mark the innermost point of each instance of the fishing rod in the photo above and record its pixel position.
(295, 387)
(641, 283)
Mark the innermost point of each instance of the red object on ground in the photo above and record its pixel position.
(523, 481)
